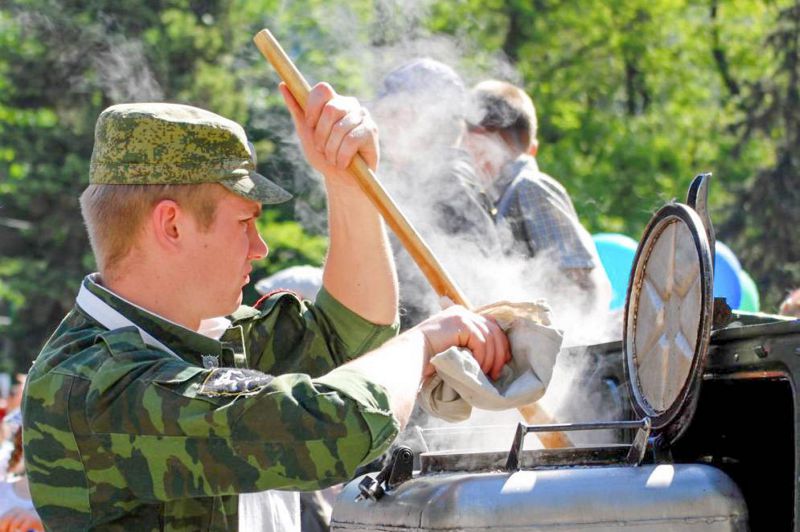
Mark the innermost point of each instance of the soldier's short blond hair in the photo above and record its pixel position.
(115, 214)
(505, 108)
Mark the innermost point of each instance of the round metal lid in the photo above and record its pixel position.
(668, 314)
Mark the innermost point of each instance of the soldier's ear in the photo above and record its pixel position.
(534, 148)
(165, 223)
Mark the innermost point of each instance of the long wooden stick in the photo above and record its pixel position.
(408, 236)
(441, 282)
(536, 415)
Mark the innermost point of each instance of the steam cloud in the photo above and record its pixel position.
(124, 73)
(120, 67)
(410, 144)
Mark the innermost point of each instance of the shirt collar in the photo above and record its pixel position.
(509, 172)
(114, 312)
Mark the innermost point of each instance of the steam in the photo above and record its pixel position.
(415, 140)
(123, 71)
(585, 387)
(120, 67)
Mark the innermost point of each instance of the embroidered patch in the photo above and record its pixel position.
(210, 361)
(234, 381)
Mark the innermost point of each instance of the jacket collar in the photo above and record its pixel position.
(114, 312)
(509, 172)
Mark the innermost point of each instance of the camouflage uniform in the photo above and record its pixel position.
(134, 422)
(119, 434)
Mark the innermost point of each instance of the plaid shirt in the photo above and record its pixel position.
(540, 215)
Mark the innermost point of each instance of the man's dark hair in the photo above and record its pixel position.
(498, 106)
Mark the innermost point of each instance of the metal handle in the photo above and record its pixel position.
(398, 470)
(635, 454)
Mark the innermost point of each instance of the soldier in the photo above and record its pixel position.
(146, 410)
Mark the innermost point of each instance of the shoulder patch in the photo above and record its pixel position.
(234, 381)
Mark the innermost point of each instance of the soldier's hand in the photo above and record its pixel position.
(458, 327)
(333, 129)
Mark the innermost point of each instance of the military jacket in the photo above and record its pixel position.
(152, 426)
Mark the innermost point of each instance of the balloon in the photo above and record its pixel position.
(750, 300)
(726, 276)
(616, 254)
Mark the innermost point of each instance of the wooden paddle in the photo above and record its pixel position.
(441, 282)
(436, 275)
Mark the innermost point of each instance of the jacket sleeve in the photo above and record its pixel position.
(286, 335)
(176, 430)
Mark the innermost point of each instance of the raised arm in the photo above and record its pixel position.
(359, 270)
(204, 432)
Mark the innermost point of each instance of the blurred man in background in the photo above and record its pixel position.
(791, 305)
(534, 214)
(420, 112)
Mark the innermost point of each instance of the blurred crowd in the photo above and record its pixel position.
(791, 305)
(16, 508)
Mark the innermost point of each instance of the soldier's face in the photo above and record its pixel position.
(222, 255)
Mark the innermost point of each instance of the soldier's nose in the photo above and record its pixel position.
(258, 248)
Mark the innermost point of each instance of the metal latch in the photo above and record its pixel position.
(635, 453)
(399, 469)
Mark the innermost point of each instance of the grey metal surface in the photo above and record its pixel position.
(634, 456)
(752, 325)
(766, 349)
(697, 199)
(439, 462)
(684, 497)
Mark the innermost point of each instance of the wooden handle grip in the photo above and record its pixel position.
(408, 236)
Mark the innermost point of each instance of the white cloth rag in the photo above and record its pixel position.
(459, 383)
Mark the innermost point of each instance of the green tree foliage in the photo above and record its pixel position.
(634, 98)
(45, 134)
(61, 63)
(766, 223)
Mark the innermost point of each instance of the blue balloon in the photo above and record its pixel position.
(617, 252)
(727, 280)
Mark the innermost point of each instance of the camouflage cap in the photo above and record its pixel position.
(165, 143)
